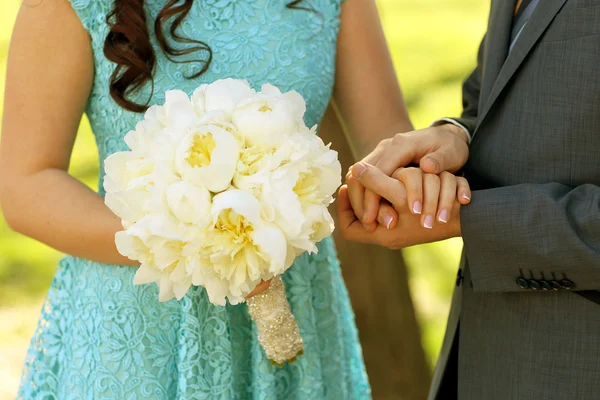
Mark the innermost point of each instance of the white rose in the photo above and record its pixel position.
(208, 157)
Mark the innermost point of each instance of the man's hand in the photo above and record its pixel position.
(435, 149)
(407, 231)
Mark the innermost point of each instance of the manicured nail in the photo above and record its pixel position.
(417, 207)
(387, 220)
(428, 223)
(443, 216)
(466, 197)
(358, 170)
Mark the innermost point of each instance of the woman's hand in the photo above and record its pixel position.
(435, 150)
(431, 197)
(407, 231)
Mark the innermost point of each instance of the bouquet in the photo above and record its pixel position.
(223, 190)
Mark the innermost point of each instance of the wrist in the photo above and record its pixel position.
(451, 126)
(457, 131)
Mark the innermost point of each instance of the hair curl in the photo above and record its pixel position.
(128, 45)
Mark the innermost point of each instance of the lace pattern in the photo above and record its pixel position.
(101, 337)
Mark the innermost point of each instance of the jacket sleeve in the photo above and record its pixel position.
(471, 90)
(532, 234)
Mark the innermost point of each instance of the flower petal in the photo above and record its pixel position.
(225, 94)
(241, 202)
(271, 241)
(146, 274)
(208, 157)
(189, 203)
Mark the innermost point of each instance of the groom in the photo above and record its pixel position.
(525, 317)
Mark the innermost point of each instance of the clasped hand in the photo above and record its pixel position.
(384, 202)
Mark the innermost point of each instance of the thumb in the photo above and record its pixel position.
(443, 159)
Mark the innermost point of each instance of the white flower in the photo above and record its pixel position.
(127, 170)
(267, 116)
(222, 95)
(198, 100)
(221, 190)
(298, 174)
(130, 205)
(164, 250)
(128, 182)
(318, 223)
(189, 203)
(242, 248)
(320, 176)
(135, 249)
(177, 113)
(207, 157)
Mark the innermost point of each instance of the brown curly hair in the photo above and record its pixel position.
(128, 45)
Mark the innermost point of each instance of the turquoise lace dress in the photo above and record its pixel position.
(101, 337)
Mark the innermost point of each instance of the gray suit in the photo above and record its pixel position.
(525, 318)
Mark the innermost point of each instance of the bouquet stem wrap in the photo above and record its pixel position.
(278, 331)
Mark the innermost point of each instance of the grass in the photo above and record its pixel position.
(433, 45)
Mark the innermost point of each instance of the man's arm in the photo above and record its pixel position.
(471, 91)
(540, 231)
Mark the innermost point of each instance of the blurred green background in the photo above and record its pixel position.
(433, 44)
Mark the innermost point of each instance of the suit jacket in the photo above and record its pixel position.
(525, 322)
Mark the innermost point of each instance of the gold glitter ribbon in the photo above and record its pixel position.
(278, 332)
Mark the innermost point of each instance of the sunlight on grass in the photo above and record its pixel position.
(433, 45)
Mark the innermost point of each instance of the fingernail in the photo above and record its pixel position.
(428, 223)
(387, 220)
(443, 217)
(367, 226)
(358, 170)
(466, 197)
(417, 207)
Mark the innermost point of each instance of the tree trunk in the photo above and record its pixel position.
(378, 285)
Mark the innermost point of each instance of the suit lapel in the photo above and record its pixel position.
(497, 43)
(541, 18)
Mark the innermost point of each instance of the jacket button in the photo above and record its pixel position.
(535, 285)
(567, 284)
(555, 285)
(523, 283)
(545, 284)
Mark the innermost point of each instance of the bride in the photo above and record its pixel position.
(99, 336)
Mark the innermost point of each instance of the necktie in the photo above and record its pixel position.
(523, 11)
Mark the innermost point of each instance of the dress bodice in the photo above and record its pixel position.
(262, 41)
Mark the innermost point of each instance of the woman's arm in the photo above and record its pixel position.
(367, 95)
(49, 78)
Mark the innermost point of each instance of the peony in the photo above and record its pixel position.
(222, 189)
(208, 157)
(241, 246)
(222, 96)
(266, 117)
